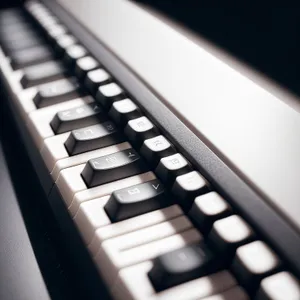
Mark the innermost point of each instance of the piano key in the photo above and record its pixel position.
(181, 265)
(109, 93)
(93, 137)
(172, 166)
(57, 91)
(96, 78)
(113, 167)
(229, 233)
(77, 117)
(84, 65)
(42, 73)
(38, 121)
(136, 200)
(207, 209)
(140, 129)
(133, 284)
(63, 42)
(106, 189)
(31, 56)
(280, 286)
(235, 293)
(252, 263)
(142, 245)
(156, 148)
(73, 53)
(123, 111)
(21, 44)
(187, 186)
(70, 182)
(57, 158)
(87, 218)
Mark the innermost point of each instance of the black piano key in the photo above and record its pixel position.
(156, 148)
(172, 166)
(42, 73)
(139, 130)
(31, 56)
(109, 93)
(77, 117)
(93, 137)
(183, 265)
(123, 111)
(57, 91)
(18, 44)
(136, 200)
(112, 167)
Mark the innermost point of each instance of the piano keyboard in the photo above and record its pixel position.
(153, 225)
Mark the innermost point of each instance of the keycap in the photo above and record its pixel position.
(109, 93)
(56, 30)
(156, 148)
(112, 167)
(140, 129)
(77, 117)
(84, 65)
(73, 53)
(229, 233)
(172, 166)
(42, 73)
(136, 200)
(31, 56)
(182, 265)
(96, 78)
(123, 111)
(280, 286)
(63, 42)
(56, 92)
(207, 209)
(187, 186)
(93, 137)
(252, 263)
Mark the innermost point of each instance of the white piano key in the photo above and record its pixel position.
(142, 245)
(53, 150)
(39, 120)
(69, 182)
(235, 293)
(107, 189)
(90, 216)
(133, 284)
(132, 224)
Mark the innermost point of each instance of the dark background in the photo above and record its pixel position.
(264, 34)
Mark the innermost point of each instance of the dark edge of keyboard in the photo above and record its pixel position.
(68, 238)
(22, 275)
(245, 199)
